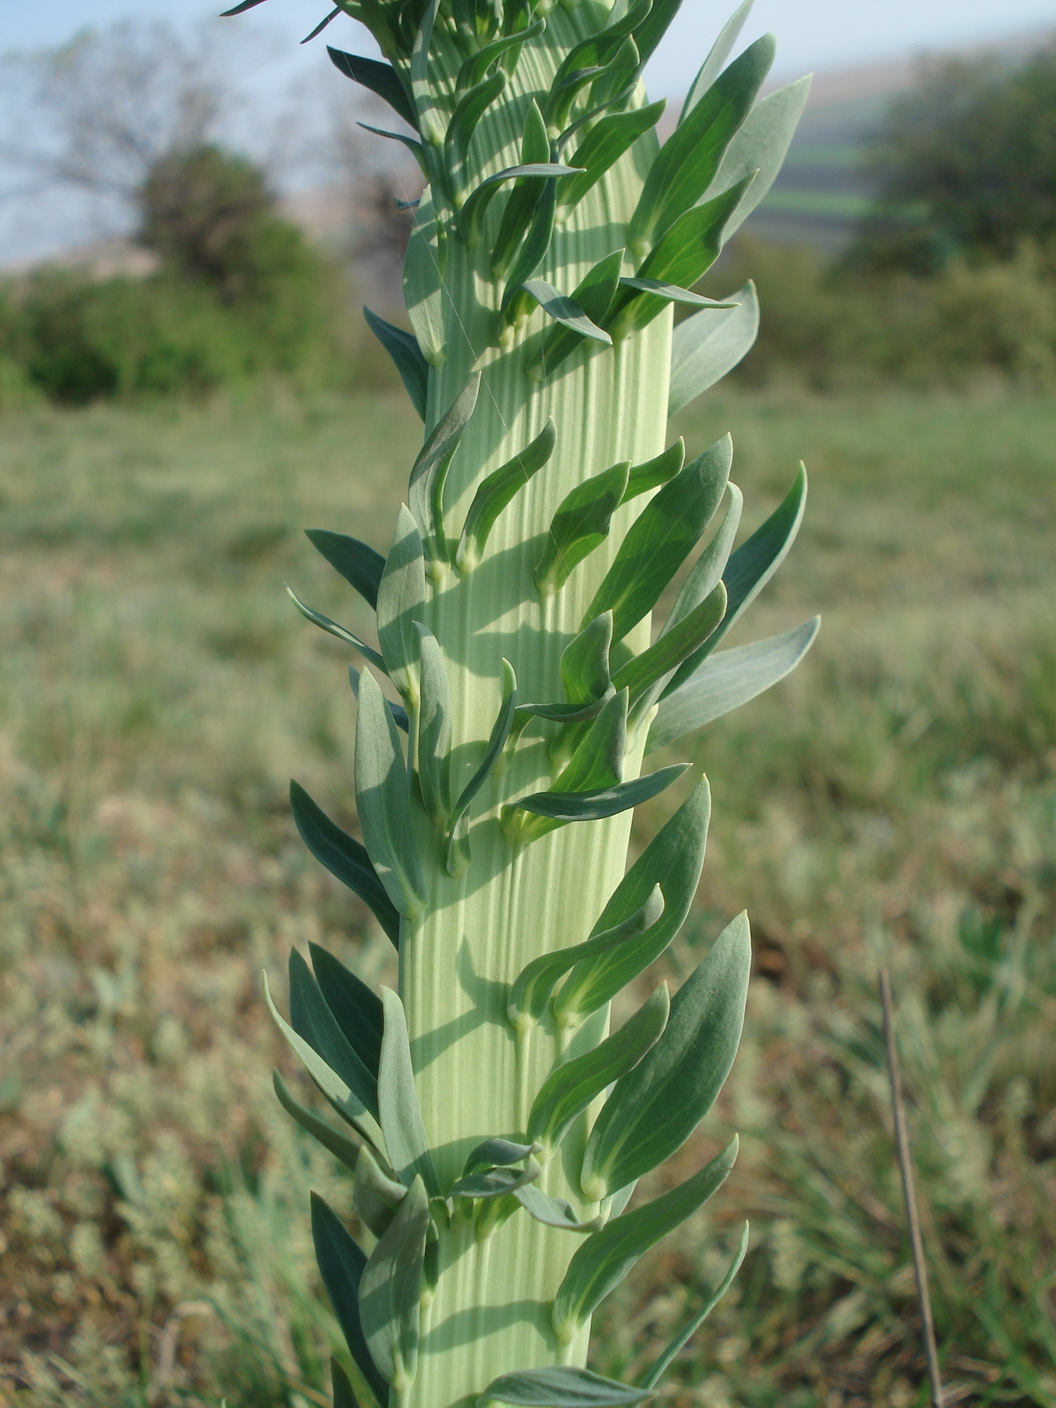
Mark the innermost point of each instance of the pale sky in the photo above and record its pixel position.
(282, 77)
(812, 34)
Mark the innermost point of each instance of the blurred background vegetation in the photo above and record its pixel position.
(174, 410)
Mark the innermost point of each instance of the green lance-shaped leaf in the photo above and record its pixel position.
(429, 473)
(672, 646)
(390, 1290)
(312, 1019)
(407, 358)
(469, 109)
(654, 1109)
(332, 628)
(324, 23)
(708, 345)
(673, 860)
(588, 59)
(534, 985)
(563, 309)
(716, 61)
(605, 1258)
(671, 293)
(340, 1387)
(382, 796)
(357, 562)
(689, 159)
(347, 1104)
(530, 255)
(398, 712)
(569, 1090)
(585, 670)
(344, 857)
(609, 138)
(761, 146)
(552, 1212)
(523, 199)
(401, 598)
(598, 759)
(507, 48)
(683, 255)
(491, 1153)
(411, 143)
(423, 274)
(758, 558)
(341, 1265)
(356, 1008)
(727, 680)
(593, 294)
(330, 1138)
(596, 763)
(580, 524)
(496, 1182)
(563, 1387)
(427, 117)
(375, 1195)
(458, 854)
(564, 807)
(406, 1141)
(496, 491)
(654, 472)
(706, 572)
(433, 733)
(612, 89)
(751, 567)
(468, 221)
(379, 78)
(660, 539)
(656, 1372)
(652, 28)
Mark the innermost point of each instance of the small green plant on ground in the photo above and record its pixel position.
(496, 1128)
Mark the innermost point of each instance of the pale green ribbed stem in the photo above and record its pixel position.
(491, 1308)
(470, 1292)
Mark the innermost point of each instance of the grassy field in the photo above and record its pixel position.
(895, 802)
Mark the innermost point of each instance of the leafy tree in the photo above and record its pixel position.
(965, 165)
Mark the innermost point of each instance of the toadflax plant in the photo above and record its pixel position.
(496, 1128)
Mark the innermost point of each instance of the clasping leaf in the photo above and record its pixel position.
(605, 1258)
(496, 491)
(654, 1109)
(401, 1118)
(357, 562)
(708, 345)
(344, 857)
(341, 1265)
(401, 597)
(568, 1091)
(563, 1387)
(728, 679)
(673, 861)
(535, 984)
(581, 522)
(655, 1374)
(332, 628)
(390, 1290)
(429, 474)
(382, 796)
(660, 539)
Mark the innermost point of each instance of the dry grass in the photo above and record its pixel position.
(895, 802)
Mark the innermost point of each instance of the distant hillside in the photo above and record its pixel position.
(823, 190)
(817, 199)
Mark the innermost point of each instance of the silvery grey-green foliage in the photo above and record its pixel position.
(496, 1128)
